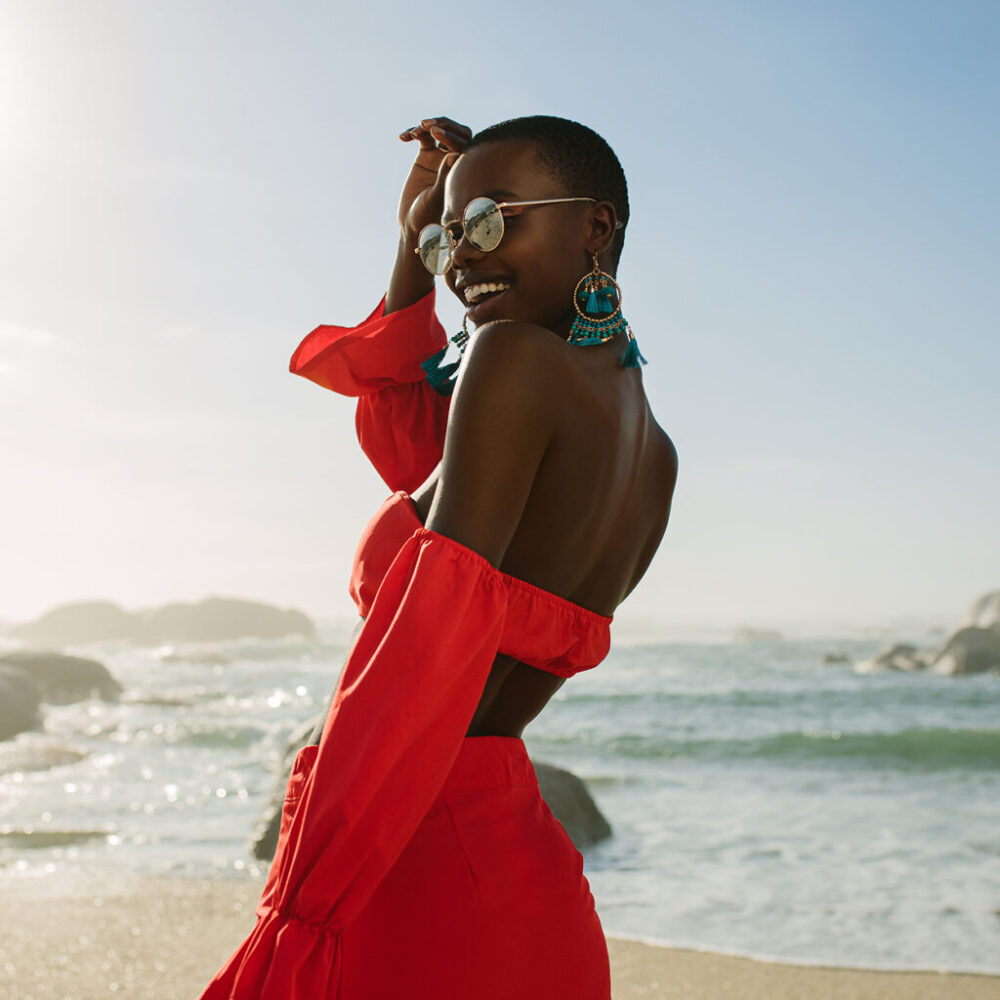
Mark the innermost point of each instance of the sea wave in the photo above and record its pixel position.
(924, 749)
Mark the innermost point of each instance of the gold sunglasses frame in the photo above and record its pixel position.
(500, 205)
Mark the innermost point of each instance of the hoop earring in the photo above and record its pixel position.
(597, 299)
(442, 377)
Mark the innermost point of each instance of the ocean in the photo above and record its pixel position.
(763, 802)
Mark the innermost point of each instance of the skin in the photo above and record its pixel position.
(538, 428)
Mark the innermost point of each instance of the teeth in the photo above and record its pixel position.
(475, 292)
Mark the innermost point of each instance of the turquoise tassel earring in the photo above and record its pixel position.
(598, 303)
(442, 377)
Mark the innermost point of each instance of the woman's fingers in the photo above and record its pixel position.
(439, 133)
(449, 141)
(435, 137)
(449, 125)
(425, 138)
(442, 141)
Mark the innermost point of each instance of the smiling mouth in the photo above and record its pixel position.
(475, 294)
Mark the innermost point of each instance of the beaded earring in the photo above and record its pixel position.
(442, 377)
(598, 303)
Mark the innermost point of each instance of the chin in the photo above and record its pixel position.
(497, 306)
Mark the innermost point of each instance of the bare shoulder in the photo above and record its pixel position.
(511, 348)
(504, 387)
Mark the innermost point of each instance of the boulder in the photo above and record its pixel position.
(984, 611)
(567, 796)
(564, 793)
(973, 648)
(62, 679)
(264, 837)
(970, 650)
(901, 656)
(19, 700)
(746, 633)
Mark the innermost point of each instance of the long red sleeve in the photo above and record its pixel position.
(400, 419)
(410, 686)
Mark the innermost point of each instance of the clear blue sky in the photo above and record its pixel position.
(811, 270)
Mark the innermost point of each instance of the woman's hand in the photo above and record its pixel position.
(441, 142)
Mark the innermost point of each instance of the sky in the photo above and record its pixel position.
(810, 268)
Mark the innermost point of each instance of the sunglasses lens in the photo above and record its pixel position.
(483, 223)
(434, 244)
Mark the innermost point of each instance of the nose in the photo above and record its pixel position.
(465, 252)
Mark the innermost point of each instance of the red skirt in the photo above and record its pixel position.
(488, 899)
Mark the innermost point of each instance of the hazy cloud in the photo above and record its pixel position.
(19, 334)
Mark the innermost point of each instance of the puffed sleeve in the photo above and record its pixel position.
(400, 713)
(400, 418)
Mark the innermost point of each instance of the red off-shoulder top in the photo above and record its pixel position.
(436, 615)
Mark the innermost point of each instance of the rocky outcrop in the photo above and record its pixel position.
(19, 701)
(746, 633)
(61, 679)
(984, 612)
(901, 656)
(80, 622)
(564, 793)
(218, 618)
(973, 648)
(835, 658)
(213, 619)
(970, 650)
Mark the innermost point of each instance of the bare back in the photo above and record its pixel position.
(595, 515)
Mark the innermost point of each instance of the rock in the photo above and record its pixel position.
(747, 634)
(19, 700)
(264, 837)
(970, 650)
(209, 620)
(62, 679)
(973, 648)
(564, 793)
(80, 622)
(901, 656)
(984, 612)
(567, 796)
(834, 658)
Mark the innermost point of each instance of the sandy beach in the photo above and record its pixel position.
(163, 939)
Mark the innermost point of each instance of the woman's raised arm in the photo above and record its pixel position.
(421, 201)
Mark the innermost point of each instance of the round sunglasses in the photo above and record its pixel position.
(482, 224)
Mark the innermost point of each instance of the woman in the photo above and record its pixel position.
(416, 857)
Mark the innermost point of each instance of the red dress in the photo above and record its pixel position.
(413, 861)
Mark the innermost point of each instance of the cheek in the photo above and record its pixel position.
(553, 278)
(541, 264)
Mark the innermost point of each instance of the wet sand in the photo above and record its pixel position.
(164, 939)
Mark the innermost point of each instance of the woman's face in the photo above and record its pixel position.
(544, 250)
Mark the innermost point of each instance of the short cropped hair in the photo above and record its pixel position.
(576, 155)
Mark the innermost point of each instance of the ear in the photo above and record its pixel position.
(602, 225)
